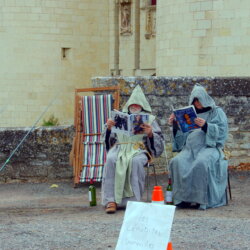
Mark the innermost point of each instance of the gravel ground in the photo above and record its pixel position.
(35, 216)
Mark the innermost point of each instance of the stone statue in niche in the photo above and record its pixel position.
(126, 19)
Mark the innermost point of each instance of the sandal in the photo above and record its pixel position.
(111, 208)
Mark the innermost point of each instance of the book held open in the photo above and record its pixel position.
(128, 124)
(185, 117)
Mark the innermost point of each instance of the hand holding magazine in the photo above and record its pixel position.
(128, 124)
(185, 117)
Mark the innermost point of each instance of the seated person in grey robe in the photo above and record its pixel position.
(123, 174)
(199, 171)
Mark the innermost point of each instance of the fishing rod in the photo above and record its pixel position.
(32, 128)
(3, 109)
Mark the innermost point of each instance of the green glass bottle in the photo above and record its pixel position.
(92, 194)
(169, 194)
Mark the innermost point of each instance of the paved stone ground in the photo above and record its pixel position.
(35, 216)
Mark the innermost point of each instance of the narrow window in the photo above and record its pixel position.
(65, 53)
(153, 2)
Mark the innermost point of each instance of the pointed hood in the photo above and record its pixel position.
(204, 98)
(137, 97)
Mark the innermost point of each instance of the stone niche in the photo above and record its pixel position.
(150, 28)
(125, 17)
(148, 8)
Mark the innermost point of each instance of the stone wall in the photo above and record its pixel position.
(232, 94)
(44, 155)
(203, 38)
(49, 47)
(133, 47)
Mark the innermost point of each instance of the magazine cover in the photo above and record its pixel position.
(121, 122)
(136, 120)
(128, 124)
(185, 118)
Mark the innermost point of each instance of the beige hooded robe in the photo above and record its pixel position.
(123, 176)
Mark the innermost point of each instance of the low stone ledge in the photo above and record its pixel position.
(44, 155)
(231, 93)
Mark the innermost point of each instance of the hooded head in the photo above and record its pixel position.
(137, 97)
(201, 94)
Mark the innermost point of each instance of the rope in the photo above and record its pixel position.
(3, 109)
(32, 128)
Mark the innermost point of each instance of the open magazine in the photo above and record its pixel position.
(128, 124)
(185, 117)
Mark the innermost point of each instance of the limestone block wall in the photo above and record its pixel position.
(128, 41)
(113, 37)
(133, 52)
(232, 94)
(203, 38)
(147, 39)
(49, 48)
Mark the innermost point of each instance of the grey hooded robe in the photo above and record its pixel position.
(124, 174)
(199, 171)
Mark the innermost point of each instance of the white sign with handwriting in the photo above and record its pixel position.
(146, 226)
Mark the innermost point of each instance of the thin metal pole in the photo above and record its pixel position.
(3, 109)
(21, 142)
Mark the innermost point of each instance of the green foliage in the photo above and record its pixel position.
(51, 121)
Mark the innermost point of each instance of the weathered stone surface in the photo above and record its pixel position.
(231, 86)
(43, 155)
(232, 94)
(245, 146)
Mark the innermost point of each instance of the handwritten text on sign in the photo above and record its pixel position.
(146, 226)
